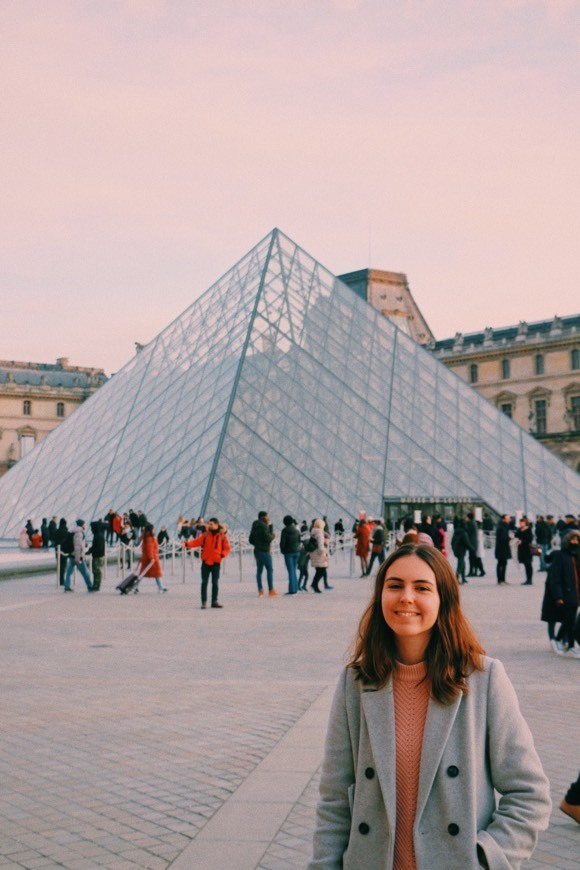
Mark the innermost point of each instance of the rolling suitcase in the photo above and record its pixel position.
(129, 582)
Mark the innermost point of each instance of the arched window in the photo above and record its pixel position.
(505, 368)
(26, 408)
(60, 409)
(473, 373)
(575, 359)
(539, 364)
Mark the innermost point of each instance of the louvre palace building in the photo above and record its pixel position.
(281, 388)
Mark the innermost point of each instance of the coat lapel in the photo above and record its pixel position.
(379, 713)
(438, 727)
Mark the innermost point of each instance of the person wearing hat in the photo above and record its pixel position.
(77, 558)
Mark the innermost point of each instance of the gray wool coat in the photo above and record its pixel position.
(472, 746)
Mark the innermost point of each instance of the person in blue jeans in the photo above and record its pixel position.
(77, 559)
(261, 537)
(290, 543)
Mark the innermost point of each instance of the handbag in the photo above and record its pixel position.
(535, 551)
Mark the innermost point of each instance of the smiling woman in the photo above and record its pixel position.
(424, 731)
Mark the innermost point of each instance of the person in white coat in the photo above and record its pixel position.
(319, 557)
(424, 731)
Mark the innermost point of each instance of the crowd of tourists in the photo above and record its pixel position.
(309, 545)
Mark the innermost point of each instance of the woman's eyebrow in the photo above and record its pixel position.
(417, 580)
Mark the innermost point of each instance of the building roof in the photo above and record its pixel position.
(59, 374)
(557, 328)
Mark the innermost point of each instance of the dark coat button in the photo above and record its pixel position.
(363, 828)
(452, 770)
(369, 773)
(453, 829)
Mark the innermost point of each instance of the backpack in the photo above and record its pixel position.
(68, 545)
(311, 544)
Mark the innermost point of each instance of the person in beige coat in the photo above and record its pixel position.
(319, 557)
(424, 731)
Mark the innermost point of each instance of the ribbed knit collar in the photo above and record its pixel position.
(410, 673)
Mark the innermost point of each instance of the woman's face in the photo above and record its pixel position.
(410, 602)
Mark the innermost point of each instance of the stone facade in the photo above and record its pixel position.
(531, 372)
(35, 398)
(389, 293)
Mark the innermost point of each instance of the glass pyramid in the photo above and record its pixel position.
(281, 389)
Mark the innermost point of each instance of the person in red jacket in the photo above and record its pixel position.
(215, 546)
(149, 564)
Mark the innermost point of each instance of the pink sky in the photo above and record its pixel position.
(148, 144)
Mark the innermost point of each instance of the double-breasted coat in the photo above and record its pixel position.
(478, 743)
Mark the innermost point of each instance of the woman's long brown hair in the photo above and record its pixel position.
(454, 650)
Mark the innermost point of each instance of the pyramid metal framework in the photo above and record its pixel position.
(281, 389)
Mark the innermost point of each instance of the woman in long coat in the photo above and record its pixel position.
(561, 595)
(428, 760)
(362, 534)
(319, 557)
(525, 540)
(149, 564)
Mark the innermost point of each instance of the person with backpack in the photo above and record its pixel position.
(77, 558)
(377, 545)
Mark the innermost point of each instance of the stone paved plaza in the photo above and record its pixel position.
(143, 732)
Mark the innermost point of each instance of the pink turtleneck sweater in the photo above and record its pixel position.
(411, 693)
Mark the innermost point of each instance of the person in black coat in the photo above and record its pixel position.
(472, 532)
(63, 548)
(561, 594)
(460, 546)
(525, 540)
(97, 551)
(502, 547)
(290, 543)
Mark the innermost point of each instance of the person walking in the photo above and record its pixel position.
(562, 595)
(428, 761)
(149, 564)
(525, 539)
(460, 546)
(261, 536)
(77, 559)
(290, 542)
(215, 547)
(378, 540)
(503, 552)
(319, 556)
(362, 534)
